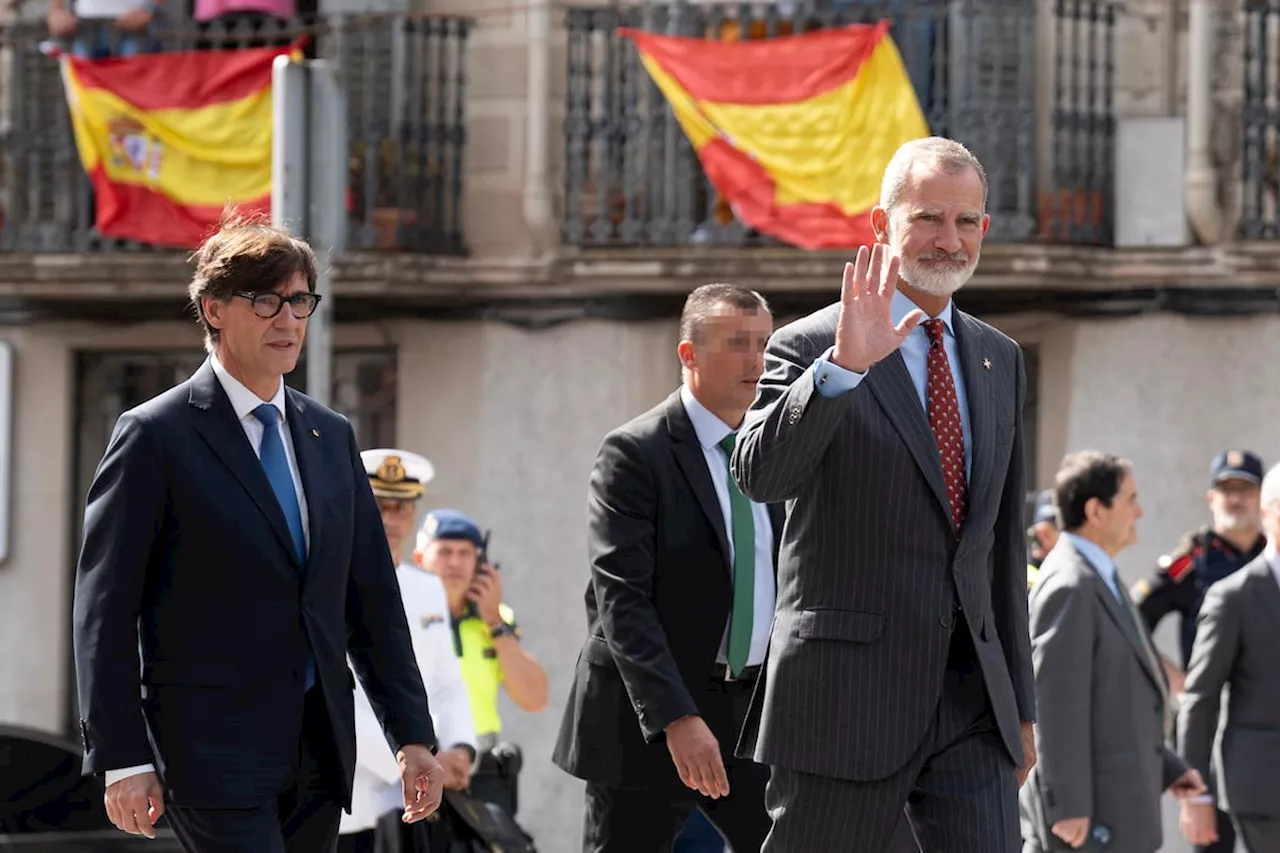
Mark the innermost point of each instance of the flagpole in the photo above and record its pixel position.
(327, 183)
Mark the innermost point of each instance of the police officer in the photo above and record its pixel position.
(486, 637)
(398, 479)
(1201, 558)
(1042, 535)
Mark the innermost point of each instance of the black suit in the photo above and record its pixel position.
(187, 559)
(657, 605)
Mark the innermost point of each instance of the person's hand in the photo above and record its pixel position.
(457, 768)
(422, 779)
(135, 803)
(61, 23)
(486, 592)
(135, 19)
(1199, 823)
(696, 754)
(1189, 784)
(1073, 830)
(865, 333)
(1028, 751)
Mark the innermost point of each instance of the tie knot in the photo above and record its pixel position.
(727, 443)
(934, 329)
(268, 414)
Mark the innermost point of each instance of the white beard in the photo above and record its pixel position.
(935, 280)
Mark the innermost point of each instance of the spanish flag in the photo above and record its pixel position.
(794, 132)
(170, 139)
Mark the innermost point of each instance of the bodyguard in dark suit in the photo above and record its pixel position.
(1102, 693)
(233, 556)
(679, 603)
(899, 666)
(1235, 646)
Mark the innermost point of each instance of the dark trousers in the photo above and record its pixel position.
(960, 788)
(303, 818)
(1260, 833)
(648, 820)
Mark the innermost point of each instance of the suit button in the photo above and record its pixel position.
(946, 621)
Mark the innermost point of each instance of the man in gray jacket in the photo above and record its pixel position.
(1235, 647)
(1100, 689)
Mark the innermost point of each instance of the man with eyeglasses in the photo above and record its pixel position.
(233, 558)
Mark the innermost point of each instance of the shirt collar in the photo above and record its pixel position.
(709, 428)
(1093, 552)
(244, 401)
(901, 305)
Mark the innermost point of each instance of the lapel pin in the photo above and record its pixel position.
(986, 364)
(316, 432)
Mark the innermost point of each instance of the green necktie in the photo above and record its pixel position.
(744, 569)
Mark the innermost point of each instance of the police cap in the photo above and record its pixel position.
(451, 524)
(1235, 465)
(1046, 510)
(397, 475)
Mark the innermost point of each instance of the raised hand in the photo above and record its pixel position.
(865, 333)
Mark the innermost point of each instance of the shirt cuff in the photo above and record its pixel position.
(114, 776)
(831, 379)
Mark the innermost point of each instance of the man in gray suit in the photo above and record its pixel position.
(1235, 646)
(899, 669)
(1101, 689)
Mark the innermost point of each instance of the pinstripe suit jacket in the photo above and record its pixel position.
(869, 562)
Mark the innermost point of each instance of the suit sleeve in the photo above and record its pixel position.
(378, 639)
(622, 505)
(124, 514)
(1173, 767)
(1009, 562)
(788, 428)
(1062, 631)
(1213, 657)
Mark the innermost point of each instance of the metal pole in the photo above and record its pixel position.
(327, 215)
(289, 145)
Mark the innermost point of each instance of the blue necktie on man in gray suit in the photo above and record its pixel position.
(276, 467)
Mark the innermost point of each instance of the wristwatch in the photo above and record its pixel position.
(503, 630)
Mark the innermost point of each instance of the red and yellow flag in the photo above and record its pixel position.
(170, 139)
(794, 132)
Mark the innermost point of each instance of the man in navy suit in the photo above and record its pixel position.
(233, 557)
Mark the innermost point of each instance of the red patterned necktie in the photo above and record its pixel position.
(944, 420)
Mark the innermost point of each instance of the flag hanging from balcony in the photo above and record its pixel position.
(170, 139)
(794, 132)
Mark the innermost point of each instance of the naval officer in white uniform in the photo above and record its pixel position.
(398, 479)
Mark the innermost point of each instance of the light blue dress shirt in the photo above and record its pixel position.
(711, 431)
(832, 379)
(1100, 560)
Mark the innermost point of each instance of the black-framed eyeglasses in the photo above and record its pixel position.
(268, 305)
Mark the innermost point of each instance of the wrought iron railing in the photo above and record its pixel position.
(632, 178)
(1260, 120)
(406, 85)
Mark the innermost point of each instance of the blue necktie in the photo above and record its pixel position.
(276, 466)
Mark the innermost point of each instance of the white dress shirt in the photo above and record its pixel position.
(244, 401)
(377, 788)
(711, 431)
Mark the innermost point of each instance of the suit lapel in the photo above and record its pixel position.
(688, 454)
(892, 385)
(1118, 614)
(308, 447)
(218, 425)
(981, 405)
(1269, 588)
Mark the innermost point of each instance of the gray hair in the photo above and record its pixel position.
(946, 154)
(1271, 487)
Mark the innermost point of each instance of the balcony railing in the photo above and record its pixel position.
(632, 178)
(406, 105)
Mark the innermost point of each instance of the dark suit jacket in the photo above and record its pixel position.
(1102, 698)
(1236, 646)
(657, 604)
(186, 550)
(870, 563)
